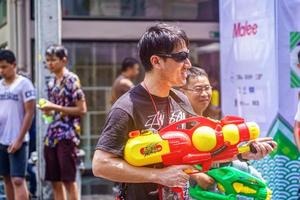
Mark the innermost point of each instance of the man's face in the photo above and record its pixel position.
(199, 91)
(7, 70)
(134, 71)
(174, 69)
(55, 64)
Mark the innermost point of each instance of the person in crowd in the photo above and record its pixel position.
(66, 104)
(123, 83)
(17, 103)
(199, 92)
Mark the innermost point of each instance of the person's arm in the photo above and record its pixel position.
(297, 133)
(108, 159)
(203, 180)
(111, 167)
(80, 107)
(263, 146)
(78, 110)
(29, 107)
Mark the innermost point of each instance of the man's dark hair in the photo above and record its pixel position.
(128, 63)
(58, 51)
(8, 56)
(160, 39)
(194, 72)
(299, 57)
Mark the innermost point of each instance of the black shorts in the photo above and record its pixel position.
(13, 165)
(61, 161)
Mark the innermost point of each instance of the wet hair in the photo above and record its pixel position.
(160, 39)
(194, 72)
(128, 63)
(8, 56)
(58, 51)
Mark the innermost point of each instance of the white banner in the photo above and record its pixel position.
(260, 41)
(248, 71)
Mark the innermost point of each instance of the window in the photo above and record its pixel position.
(3, 12)
(196, 10)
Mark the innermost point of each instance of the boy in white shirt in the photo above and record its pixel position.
(17, 103)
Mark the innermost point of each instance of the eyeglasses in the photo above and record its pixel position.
(178, 57)
(199, 90)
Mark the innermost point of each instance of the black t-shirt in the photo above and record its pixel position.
(135, 111)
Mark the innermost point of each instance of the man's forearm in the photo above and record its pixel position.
(116, 169)
(75, 111)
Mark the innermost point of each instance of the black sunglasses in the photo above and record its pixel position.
(178, 57)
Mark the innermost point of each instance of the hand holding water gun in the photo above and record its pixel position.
(232, 182)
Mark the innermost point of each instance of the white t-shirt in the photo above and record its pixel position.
(12, 99)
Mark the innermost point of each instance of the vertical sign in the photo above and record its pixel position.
(248, 69)
(259, 65)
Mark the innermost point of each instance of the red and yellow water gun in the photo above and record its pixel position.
(197, 141)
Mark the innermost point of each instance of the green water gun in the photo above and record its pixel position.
(232, 182)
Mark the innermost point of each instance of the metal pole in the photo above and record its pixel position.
(47, 32)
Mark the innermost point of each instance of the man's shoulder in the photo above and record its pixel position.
(72, 80)
(125, 101)
(180, 95)
(122, 81)
(128, 99)
(72, 76)
(126, 81)
(24, 81)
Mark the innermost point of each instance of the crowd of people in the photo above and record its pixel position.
(170, 88)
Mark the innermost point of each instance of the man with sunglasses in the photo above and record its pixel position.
(163, 51)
